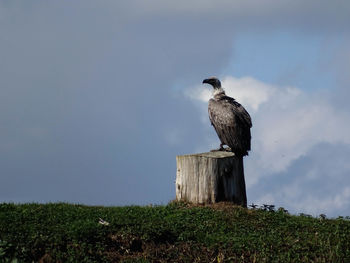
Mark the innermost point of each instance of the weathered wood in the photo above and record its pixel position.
(210, 177)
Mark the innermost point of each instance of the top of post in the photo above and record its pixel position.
(215, 154)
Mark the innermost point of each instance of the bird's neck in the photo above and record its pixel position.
(218, 93)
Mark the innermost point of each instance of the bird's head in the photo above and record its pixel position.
(215, 82)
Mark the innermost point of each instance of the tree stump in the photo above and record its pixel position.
(211, 177)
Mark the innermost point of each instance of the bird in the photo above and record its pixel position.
(230, 119)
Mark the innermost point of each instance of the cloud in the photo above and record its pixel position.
(315, 183)
(288, 124)
(247, 90)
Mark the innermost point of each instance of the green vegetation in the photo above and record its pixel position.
(173, 233)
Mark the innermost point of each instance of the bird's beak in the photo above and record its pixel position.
(205, 81)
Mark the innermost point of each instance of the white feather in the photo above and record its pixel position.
(218, 91)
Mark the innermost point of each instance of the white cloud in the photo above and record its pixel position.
(317, 186)
(287, 124)
(248, 91)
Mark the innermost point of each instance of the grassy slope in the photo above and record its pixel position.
(176, 232)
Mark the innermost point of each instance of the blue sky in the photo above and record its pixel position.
(284, 58)
(97, 98)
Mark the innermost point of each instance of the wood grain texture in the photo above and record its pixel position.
(210, 177)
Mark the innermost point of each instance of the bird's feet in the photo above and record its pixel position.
(227, 149)
(222, 149)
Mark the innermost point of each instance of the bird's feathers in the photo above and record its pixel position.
(232, 123)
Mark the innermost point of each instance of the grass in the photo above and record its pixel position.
(177, 232)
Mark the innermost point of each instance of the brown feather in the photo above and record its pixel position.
(232, 123)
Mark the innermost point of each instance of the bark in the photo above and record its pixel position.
(210, 177)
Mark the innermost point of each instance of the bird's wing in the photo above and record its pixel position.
(240, 112)
(231, 122)
(242, 125)
(227, 111)
(224, 121)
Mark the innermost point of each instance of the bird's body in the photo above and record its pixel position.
(231, 121)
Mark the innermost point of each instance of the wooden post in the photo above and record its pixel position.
(210, 177)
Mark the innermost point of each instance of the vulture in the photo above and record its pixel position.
(231, 121)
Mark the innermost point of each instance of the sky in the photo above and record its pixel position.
(98, 97)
